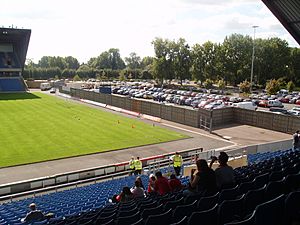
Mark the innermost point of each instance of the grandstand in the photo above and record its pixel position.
(13, 50)
(267, 192)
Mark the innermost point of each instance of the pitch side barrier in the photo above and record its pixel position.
(90, 175)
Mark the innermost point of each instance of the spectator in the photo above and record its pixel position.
(138, 178)
(125, 195)
(296, 140)
(34, 215)
(151, 184)
(161, 185)
(224, 173)
(137, 190)
(203, 182)
(174, 183)
(138, 166)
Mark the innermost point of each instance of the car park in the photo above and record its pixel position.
(274, 103)
(245, 105)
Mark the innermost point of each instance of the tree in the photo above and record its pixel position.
(272, 86)
(133, 61)
(182, 60)
(162, 64)
(110, 59)
(76, 78)
(72, 63)
(290, 86)
(245, 86)
(198, 64)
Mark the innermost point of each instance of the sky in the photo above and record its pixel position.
(84, 29)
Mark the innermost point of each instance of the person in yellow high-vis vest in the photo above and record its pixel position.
(177, 162)
(138, 166)
(132, 165)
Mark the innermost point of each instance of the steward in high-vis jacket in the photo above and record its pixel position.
(132, 165)
(138, 166)
(177, 162)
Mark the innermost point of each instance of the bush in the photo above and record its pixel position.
(245, 86)
(290, 86)
(208, 83)
(272, 86)
(76, 78)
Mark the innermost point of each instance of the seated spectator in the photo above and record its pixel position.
(137, 190)
(161, 185)
(174, 183)
(224, 173)
(138, 178)
(125, 195)
(151, 184)
(203, 181)
(34, 215)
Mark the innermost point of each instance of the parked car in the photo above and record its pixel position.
(245, 105)
(274, 103)
(278, 110)
(263, 103)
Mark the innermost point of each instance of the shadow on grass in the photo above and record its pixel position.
(17, 96)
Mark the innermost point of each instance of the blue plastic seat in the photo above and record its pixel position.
(292, 208)
(270, 212)
(230, 210)
(207, 217)
(161, 219)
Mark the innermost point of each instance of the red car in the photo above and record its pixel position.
(284, 100)
(263, 103)
(297, 102)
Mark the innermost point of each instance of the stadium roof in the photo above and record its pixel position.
(19, 38)
(288, 13)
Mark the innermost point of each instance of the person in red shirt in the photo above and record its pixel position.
(174, 183)
(161, 185)
(151, 184)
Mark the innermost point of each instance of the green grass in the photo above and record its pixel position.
(38, 127)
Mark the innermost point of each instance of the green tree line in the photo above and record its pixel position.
(229, 61)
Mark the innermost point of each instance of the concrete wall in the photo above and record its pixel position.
(196, 118)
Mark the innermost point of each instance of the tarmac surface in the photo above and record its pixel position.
(230, 136)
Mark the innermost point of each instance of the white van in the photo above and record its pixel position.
(245, 105)
(45, 86)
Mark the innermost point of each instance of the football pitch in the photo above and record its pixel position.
(37, 127)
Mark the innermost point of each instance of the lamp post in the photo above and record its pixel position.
(252, 63)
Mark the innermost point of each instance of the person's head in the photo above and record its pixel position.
(132, 158)
(201, 165)
(126, 190)
(172, 176)
(138, 158)
(137, 183)
(158, 174)
(32, 206)
(176, 153)
(297, 131)
(152, 177)
(223, 158)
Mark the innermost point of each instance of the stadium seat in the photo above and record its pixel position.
(245, 187)
(184, 210)
(292, 208)
(161, 219)
(252, 199)
(183, 221)
(173, 204)
(248, 221)
(260, 181)
(230, 210)
(127, 213)
(206, 203)
(292, 182)
(128, 220)
(274, 189)
(276, 175)
(207, 217)
(190, 199)
(228, 194)
(270, 212)
(152, 211)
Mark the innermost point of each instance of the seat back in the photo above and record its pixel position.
(206, 203)
(270, 212)
(261, 180)
(207, 217)
(274, 189)
(152, 211)
(184, 210)
(292, 208)
(128, 220)
(228, 194)
(183, 221)
(161, 219)
(252, 199)
(230, 210)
